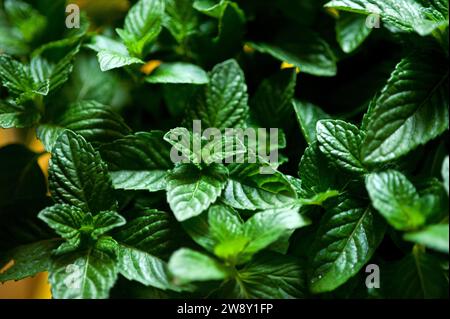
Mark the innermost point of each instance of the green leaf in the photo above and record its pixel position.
(198, 229)
(65, 220)
(105, 221)
(89, 83)
(97, 123)
(347, 237)
(417, 276)
(180, 19)
(319, 198)
(223, 103)
(154, 232)
(434, 236)
(270, 276)
(403, 15)
(18, 116)
(16, 76)
(190, 190)
(341, 143)
(142, 25)
(78, 176)
(39, 78)
(86, 274)
(28, 260)
(351, 31)
(188, 265)
(55, 73)
(186, 143)
(309, 52)
(314, 172)
(25, 18)
(248, 189)
(272, 102)
(445, 174)
(307, 116)
(139, 161)
(211, 7)
(224, 223)
(140, 266)
(411, 110)
(266, 227)
(111, 54)
(396, 198)
(179, 73)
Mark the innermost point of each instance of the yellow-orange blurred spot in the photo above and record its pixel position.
(102, 5)
(248, 49)
(286, 65)
(7, 266)
(37, 146)
(333, 12)
(42, 289)
(150, 66)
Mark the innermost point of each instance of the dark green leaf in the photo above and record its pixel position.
(348, 236)
(78, 176)
(411, 110)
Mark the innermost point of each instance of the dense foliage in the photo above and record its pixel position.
(358, 89)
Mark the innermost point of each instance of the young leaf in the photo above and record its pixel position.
(351, 31)
(180, 19)
(348, 236)
(105, 221)
(190, 190)
(139, 161)
(411, 110)
(188, 265)
(178, 73)
(223, 103)
(78, 176)
(434, 236)
(28, 260)
(341, 143)
(111, 54)
(396, 199)
(65, 220)
(308, 115)
(186, 143)
(142, 25)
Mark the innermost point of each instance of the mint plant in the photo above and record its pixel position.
(227, 149)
